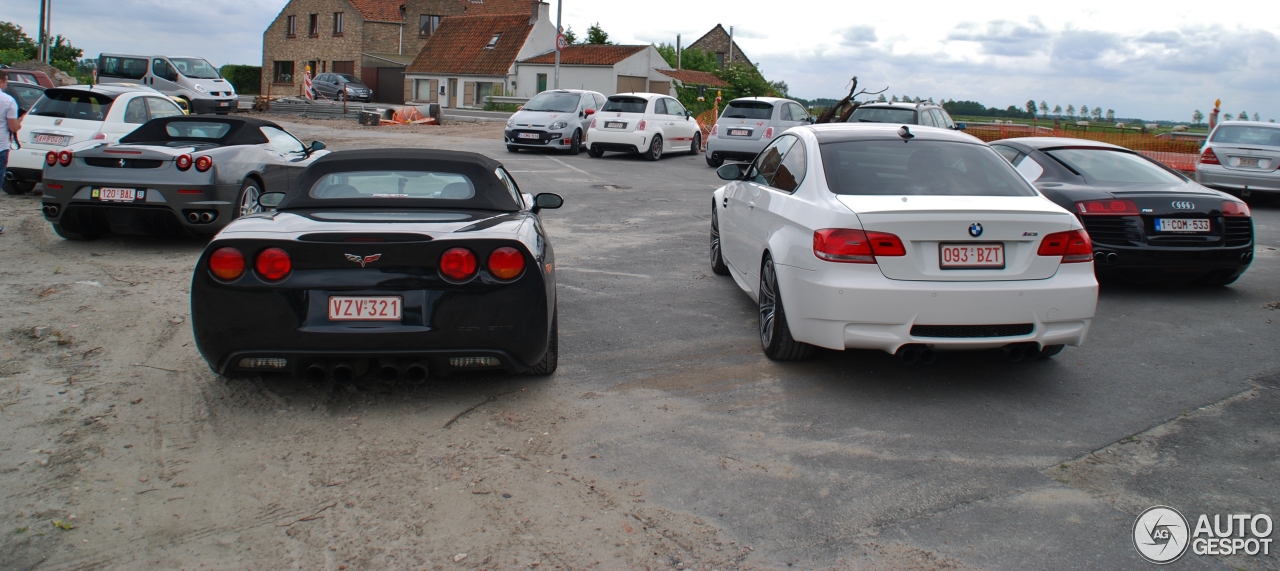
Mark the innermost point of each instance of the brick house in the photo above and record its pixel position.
(372, 39)
(717, 42)
(607, 69)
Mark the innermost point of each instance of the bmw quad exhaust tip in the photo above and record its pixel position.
(912, 354)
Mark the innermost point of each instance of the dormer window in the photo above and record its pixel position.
(494, 40)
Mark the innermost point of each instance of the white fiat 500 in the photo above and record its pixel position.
(645, 123)
(902, 239)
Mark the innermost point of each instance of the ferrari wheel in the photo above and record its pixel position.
(717, 259)
(775, 335)
(576, 146)
(697, 144)
(73, 236)
(248, 201)
(594, 152)
(549, 361)
(655, 149)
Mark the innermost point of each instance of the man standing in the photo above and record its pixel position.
(9, 126)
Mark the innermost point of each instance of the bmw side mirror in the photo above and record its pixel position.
(547, 200)
(731, 171)
(271, 199)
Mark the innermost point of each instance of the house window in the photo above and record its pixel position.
(542, 82)
(485, 90)
(291, 27)
(494, 40)
(282, 72)
(720, 60)
(427, 25)
(313, 29)
(337, 23)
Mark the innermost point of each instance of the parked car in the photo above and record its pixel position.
(28, 76)
(191, 78)
(26, 94)
(77, 113)
(902, 239)
(645, 123)
(1241, 157)
(553, 119)
(399, 263)
(927, 114)
(174, 175)
(748, 124)
(1147, 221)
(340, 87)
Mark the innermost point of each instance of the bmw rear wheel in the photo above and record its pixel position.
(775, 335)
(248, 202)
(655, 149)
(697, 144)
(717, 259)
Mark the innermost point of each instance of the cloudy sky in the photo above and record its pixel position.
(1142, 59)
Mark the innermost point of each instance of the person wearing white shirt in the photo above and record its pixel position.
(9, 126)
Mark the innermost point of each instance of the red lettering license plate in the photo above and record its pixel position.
(388, 308)
(116, 194)
(739, 132)
(971, 256)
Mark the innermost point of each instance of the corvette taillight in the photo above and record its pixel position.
(273, 264)
(458, 264)
(506, 263)
(1209, 158)
(64, 158)
(204, 163)
(1073, 245)
(1233, 208)
(226, 264)
(183, 162)
(641, 126)
(855, 246)
(51, 158)
(1107, 207)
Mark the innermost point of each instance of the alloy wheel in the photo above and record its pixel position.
(768, 302)
(249, 201)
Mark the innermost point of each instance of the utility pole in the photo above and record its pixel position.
(678, 54)
(730, 62)
(559, 31)
(41, 36)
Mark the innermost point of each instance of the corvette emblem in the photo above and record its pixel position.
(1184, 205)
(975, 229)
(363, 260)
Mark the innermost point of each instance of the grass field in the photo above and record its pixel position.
(1094, 126)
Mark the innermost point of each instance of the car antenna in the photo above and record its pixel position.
(905, 133)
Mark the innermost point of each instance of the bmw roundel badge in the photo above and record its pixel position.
(975, 229)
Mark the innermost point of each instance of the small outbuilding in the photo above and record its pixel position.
(607, 69)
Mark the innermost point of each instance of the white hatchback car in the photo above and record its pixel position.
(902, 239)
(77, 113)
(646, 123)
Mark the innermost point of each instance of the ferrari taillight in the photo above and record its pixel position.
(1108, 207)
(855, 246)
(64, 158)
(51, 158)
(204, 163)
(458, 264)
(273, 264)
(1073, 245)
(1233, 208)
(226, 264)
(506, 263)
(1209, 157)
(183, 162)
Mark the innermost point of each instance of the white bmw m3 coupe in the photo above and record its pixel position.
(905, 239)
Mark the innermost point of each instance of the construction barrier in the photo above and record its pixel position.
(1176, 153)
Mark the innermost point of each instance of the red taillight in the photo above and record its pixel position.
(1073, 245)
(226, 264)
(64, 158)
(855, 246)
(458, 264)
(768, 133)
(1233, 208)
(51, 158)
(1108, 207)
(190, 191)
(204, 163)
(641, 126)
(506, 263)
(1209, 158)
(183, 162)
(273, 264)
(100, 136)
(715, 128)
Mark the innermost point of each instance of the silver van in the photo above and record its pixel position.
(192, 79)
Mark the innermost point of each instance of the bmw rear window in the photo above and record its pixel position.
(626, 104)
(748, 110)
(72, 104)
(394, 184)
(883, 115)
(919, 168)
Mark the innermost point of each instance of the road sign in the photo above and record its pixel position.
(561, 42)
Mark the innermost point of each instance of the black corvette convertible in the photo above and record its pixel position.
(1148, 222)
(394, 263)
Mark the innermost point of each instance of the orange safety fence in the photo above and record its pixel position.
(706, 120)
(1176, 153)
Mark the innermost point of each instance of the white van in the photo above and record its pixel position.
(190, 78)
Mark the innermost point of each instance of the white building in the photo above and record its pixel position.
(608, 69)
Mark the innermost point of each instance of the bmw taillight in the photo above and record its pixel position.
(273, 264)
(715, 128)
(855, 246)
(1107, 207)
(64, 158)
(183, 162)
(641, 126)
(51, 158)
(506, 263)
(458, 264)
(204, 163)
(768, 133)
(1073, 245)
(1233, 208)
(226, 264)
(1209, 157)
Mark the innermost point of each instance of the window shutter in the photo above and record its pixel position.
(468, 93)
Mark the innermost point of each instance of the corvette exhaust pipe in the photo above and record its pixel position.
(343, 373)
(315, 373)
(193, 217)
(416, 372)
(206, 217)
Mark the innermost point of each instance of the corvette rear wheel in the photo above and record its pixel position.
(74, 236)
(717, 259)
(595, 152)
(697, 144)
(655, 149)
(775, 335)
(248, 202)
(549, 361)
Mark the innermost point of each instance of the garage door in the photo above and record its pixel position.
(663, 87)
(630, 83)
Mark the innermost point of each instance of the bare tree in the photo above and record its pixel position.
(1071, 111)
(1111, 115)
(1057, 110)
(845, 107)
(1044, 108)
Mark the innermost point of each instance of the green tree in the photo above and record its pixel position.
(1243, 116)
(881, 99)
(1084, 111)
(12, 38)
(1031, 108)
(1111, 115)
(745, 81)
(63, 51)
(1057, 110)
(780, 89)
(1044, 109)
(597, 35)
(1097, 113)
(695, 59)
(1071, 111)
(1197, 117)
(570, 36)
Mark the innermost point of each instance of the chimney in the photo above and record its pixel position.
(541, 11)
(678, 54)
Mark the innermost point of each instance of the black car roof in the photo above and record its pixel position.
(244, 130)
(491, 193)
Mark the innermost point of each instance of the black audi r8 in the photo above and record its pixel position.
(1148, 222)
(394, 263)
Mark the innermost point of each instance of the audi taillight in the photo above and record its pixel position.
(506, 263)
(183, 162)
(458, 264)
(273, 264)
(226, 264)
(64, 158)
(1107, 207)
(855, 246)
(1209, 157)
(1073, 245)
(51, 158)
(1233, 208)
(768, 133)
(204, 163)
(715, 128)
(641, 126)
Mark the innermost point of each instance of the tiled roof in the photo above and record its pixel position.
(691, 77)
(380, 10)
(495, 7)
(588, 54)
(460, 45)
